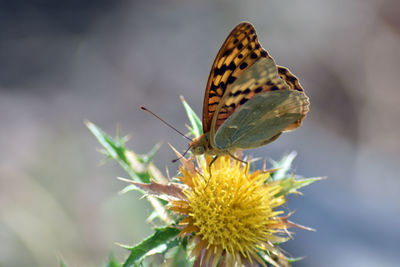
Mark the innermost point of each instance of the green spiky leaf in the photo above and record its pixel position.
(62, 263)
(116, 150)
(283, 166)
(112, 262)
(128, 188)
(291, 260)
(147, 158)
(159, 238)
(290, 185)
(195, 122)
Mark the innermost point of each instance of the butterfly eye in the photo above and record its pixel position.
(199, 150)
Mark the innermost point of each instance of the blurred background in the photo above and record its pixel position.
(65, 61)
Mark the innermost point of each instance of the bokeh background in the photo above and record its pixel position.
(65, 61)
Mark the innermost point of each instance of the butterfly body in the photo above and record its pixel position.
(249, 100)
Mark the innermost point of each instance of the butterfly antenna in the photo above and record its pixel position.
(175, 160)
(166, 123)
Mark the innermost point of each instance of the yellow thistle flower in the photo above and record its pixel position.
(230, 213)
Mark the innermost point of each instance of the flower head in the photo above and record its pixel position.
(230, 213)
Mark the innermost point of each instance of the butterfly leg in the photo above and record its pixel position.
(211, 163)
(209, 170)
(238, 159)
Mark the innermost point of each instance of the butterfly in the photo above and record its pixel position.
(249, 100)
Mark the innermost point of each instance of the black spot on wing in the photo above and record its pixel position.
(224, 68)
(213, 87)
(222, 85)
(232, 66)
(291, 79)
(244, 100)
(264, 53)
(227, 53)
(238, 92)
(247, 91)
(243, 65)
(231, 79)
(212, 94)
(283, 70)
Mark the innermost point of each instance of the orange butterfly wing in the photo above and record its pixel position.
(240, 50)
(294, 84)
(238, 53)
